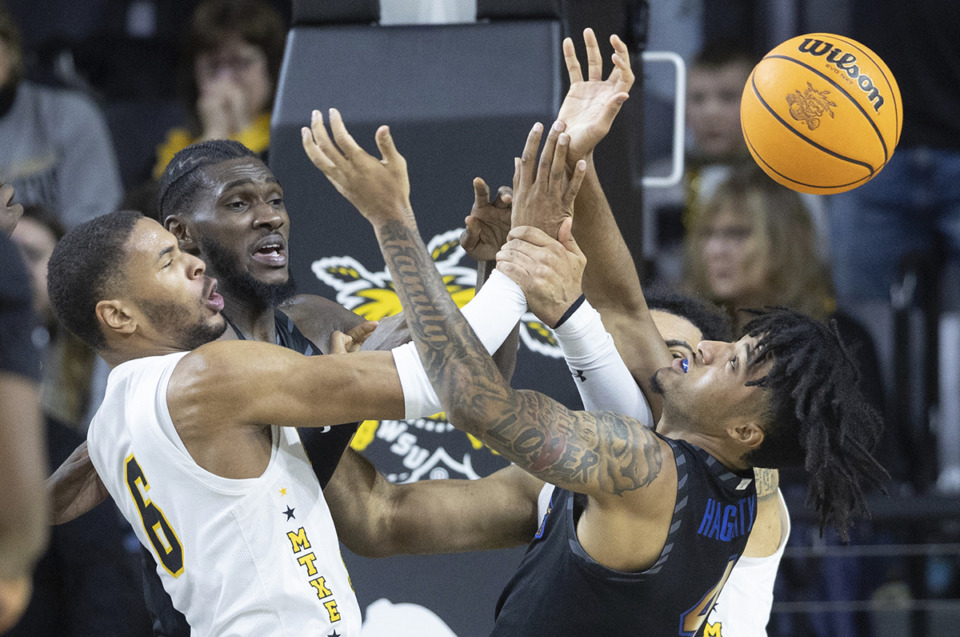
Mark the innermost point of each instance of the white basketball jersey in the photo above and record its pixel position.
(257, 556)
(743, 608)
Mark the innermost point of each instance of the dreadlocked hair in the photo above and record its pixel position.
(183, 176)
(819, 417)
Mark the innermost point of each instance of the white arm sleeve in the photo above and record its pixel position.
(492, 314)
(602, 378)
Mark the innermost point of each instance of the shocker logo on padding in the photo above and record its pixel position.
(421, 447)
(809, 106)
(372, 295)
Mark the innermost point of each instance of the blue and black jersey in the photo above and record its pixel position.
(559, 590)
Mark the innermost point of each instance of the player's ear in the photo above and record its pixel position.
(114, 317)
(183, 231)
(748, 433)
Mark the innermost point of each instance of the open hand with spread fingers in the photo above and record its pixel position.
(543, 193)
(378, 188)
(592, 103)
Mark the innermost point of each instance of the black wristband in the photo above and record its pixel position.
(570, 310)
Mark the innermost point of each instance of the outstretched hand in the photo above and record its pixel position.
(592, 104)
(378, 188)
(548, 270)
(488, 223)
(543, 194)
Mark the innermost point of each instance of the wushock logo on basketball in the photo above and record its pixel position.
(810, 105)
(411, 450)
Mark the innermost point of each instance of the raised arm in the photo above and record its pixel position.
(485, 230)
(549, 272)
(600, 454)
(610, 280)
(611, 284)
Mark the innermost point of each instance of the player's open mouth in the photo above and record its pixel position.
(681, 364)
(271, 250)
(214, 301)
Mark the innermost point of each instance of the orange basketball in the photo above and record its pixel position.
(821, 113)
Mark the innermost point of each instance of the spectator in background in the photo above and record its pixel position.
(915, 199)
(23, 504)
(714, 87)
(68, 363)
(753, 244)
(229, 71)
(910, 212)
(715, 143)
(57, 150)
(86, 583)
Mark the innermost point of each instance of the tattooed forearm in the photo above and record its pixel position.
(604, 450)
(443, 336)
(590, 452)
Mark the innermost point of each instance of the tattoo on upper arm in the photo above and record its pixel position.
(608, 451)
(602, 451)
(767, 480)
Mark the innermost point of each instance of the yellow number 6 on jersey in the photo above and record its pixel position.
(164, 539)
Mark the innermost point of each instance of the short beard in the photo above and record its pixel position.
(176, 320)
(240, 284)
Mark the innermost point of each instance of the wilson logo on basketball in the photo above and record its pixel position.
(846, 62)
(810, 105)
(806, 113)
